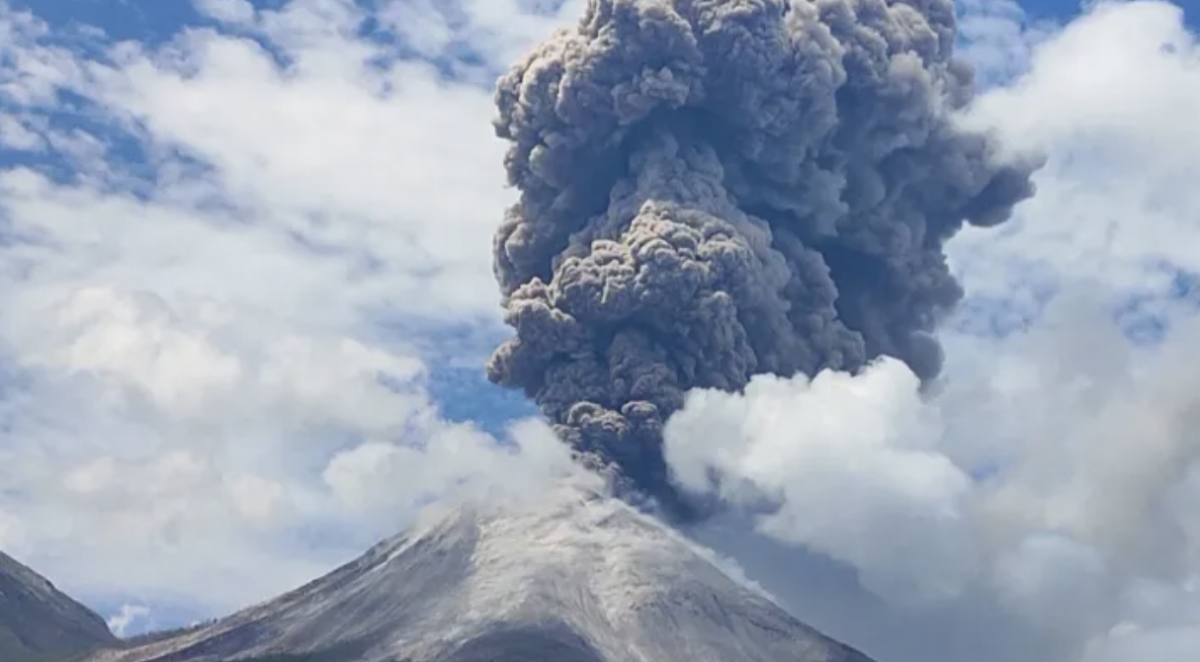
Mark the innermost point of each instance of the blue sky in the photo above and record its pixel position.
(264, 294)
(143, 21)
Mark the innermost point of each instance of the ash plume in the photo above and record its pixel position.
(713, 189)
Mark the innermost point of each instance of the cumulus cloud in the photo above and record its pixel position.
(191, 439)
(239, 12)
(1048, 478)
(854, 464)
(206, 248)
(1110, 97)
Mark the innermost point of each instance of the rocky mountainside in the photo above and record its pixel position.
(576, 578)
(38, 623)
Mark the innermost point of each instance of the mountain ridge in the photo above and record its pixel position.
(39, 623)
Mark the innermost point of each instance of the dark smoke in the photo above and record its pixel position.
(711, 189)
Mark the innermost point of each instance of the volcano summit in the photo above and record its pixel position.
(578, 577)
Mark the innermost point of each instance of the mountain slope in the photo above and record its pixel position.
(38, 622)
(578, 578)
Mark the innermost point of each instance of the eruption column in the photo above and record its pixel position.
(712, 189)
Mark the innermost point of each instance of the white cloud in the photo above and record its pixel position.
(122, 622)
(862, 442)
(190, 435)
(240, 12)
(995, 37)
(1111, 99)
(196, 344)
(1053, 580)
(370, 168)
(1080, 446)
(16, 135)
(377, 474)
(1050, 476)
(499, 30)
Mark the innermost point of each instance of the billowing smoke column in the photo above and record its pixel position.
(711, 189)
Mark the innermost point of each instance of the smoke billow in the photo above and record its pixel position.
(713, 189)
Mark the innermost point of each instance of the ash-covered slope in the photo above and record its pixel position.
(580, 578)
(38, 622)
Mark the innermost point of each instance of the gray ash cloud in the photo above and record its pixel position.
(713, 189)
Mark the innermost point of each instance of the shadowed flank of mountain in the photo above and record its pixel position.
(551, 643)
(38, 623)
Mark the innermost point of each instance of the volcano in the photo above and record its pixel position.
(579, 577)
